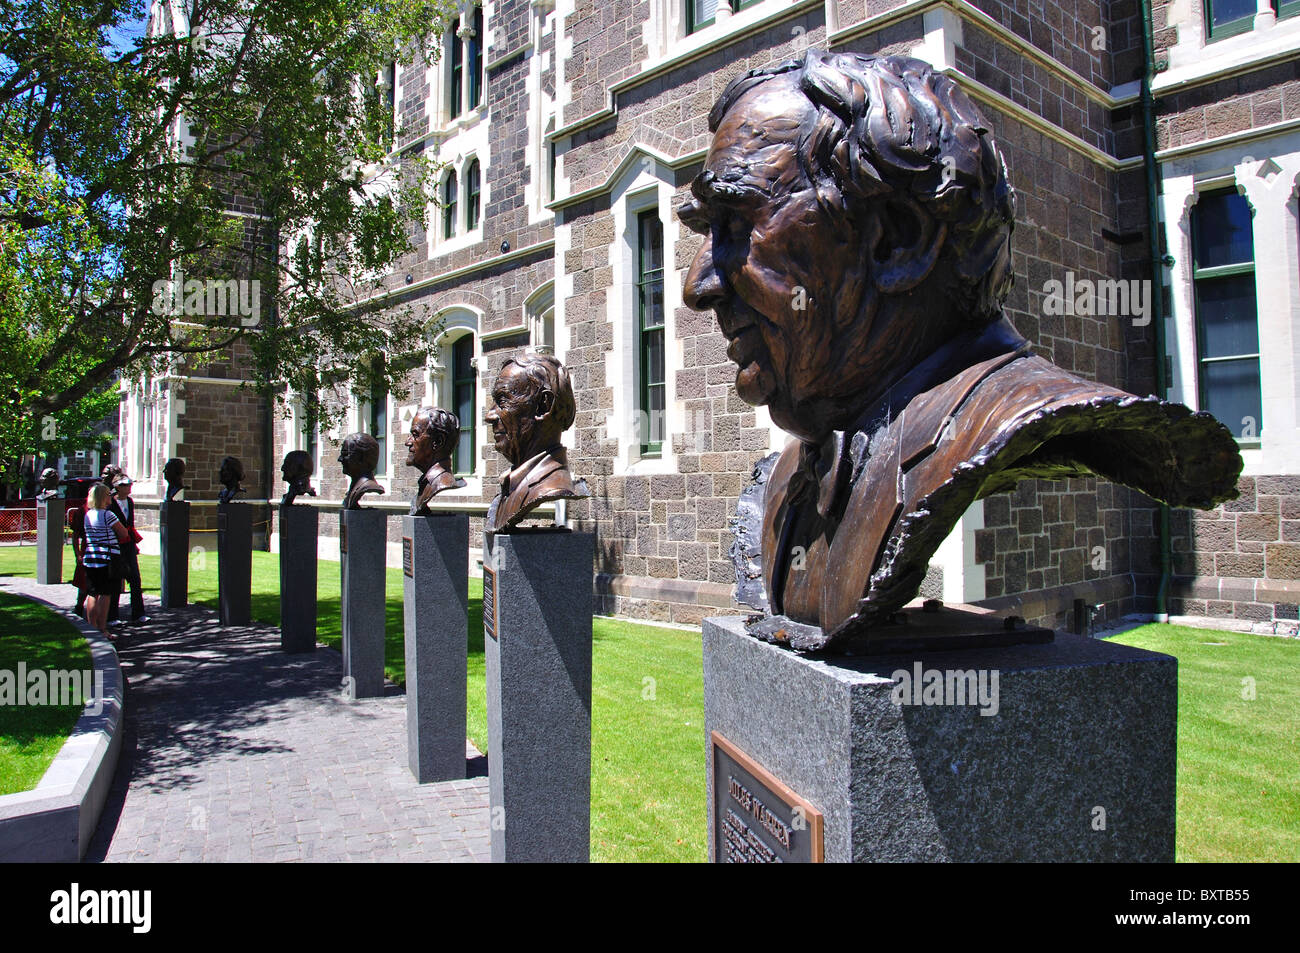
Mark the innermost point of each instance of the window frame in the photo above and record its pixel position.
(468, 425)
(450, 201)
(645, 281)
(473, 195)
(1235, 27)
(456, 72)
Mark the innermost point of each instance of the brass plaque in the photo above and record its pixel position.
(40, 512)
(343, 537)
(408, 557)
(221, 519)
(489, 602)
(757, 818)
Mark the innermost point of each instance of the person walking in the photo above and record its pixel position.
(77, 524)
(123, 507)
(105, 536)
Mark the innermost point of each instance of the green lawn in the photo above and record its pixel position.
(30, 736)
(1238, 776)
(647, 736)
(1238, 757)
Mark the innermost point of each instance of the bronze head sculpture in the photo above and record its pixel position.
(230, 475)
(174, 474)
(49, 484)
(109, 474)
(434, 432)
(297, 469)
(359, 456)
(857, 220)
(532, 405)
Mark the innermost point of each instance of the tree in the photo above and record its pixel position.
(152, 179)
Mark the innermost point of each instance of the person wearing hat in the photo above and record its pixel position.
(124, 509)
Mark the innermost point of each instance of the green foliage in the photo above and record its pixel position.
(123, 151)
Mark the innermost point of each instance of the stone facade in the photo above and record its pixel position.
(618, 92)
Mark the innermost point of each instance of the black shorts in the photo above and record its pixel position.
(101, 581)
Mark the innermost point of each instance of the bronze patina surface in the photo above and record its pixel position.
(174, 474)
(857, 220)
(297, 469)
(359, 455)
(49, 484)
(230, 476)
(434, 433)
(532, 405)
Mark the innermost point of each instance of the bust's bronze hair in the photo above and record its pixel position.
(531, 406)
(857, 253)
(433, 437)
(359, 456)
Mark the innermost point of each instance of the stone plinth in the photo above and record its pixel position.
(435, 573)
(235, 563)
(537, 594)
(174, 552)
(1074, 762)
(299, 530)
(362, 549)
(50, 516)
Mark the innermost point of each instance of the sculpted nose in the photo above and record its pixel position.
(704, 288)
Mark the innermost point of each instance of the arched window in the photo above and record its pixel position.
(1227, 324)
(464, 381)
(449, 195)
(472, 200)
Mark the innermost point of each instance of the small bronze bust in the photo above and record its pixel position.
(857, 220)
(109, 475)
(434, 433)
(174, 474)
(297, 469)
(49, 484)
(230, 475)
(532, 405)
(359, 456)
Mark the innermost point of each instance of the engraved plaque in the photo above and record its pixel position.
(343, 537)
(162, 514)
(221, 519)
(408, 557)
(757, 819)
(489, 602)
(40, 512)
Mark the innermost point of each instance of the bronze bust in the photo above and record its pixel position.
(174, 474)
(109, 474)
(297, 469)
(49, 484)
(434, 432)
(230, 476)
(359, 456)
(857, 220)
(532, 405)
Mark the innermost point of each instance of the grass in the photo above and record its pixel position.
(31, 735)
(1238, 777)
(647, 743)
(1238, 774)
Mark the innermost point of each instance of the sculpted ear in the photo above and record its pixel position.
(908, 247)
(545, 403)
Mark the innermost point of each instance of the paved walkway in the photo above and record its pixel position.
(234, 751)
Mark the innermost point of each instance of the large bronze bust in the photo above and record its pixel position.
(231, 475)
(297, 469)
(49, 484)
(532, 405)
(359, 456)
(174, 474)
(434, 432)
(857, 220)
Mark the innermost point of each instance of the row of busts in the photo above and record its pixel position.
(532, 405)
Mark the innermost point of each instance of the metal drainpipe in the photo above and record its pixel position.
(1157, 263)
(268, 421)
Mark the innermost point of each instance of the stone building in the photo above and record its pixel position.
(571, 130)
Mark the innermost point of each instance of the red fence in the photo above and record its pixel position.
(18, 526)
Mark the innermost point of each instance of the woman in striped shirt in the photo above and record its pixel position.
(105, 535)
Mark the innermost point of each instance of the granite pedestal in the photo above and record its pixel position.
(235, 563)
(435, 574)
(537, 592)
(50, 516)
(174, 550)
(1073, 762)
(299, 530)
(363, 538)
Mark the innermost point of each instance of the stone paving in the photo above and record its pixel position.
(234, 751)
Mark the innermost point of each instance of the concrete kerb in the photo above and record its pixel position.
(55, 821)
